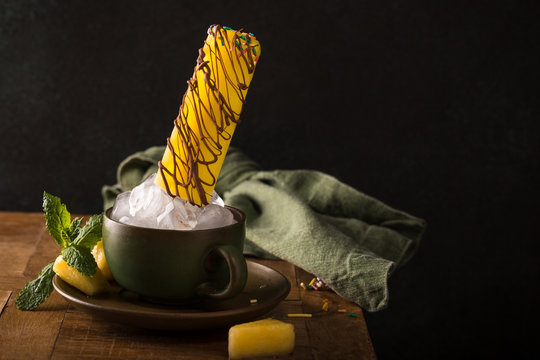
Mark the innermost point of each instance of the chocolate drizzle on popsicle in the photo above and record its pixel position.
(223, 64)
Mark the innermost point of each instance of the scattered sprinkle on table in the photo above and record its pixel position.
(352, 314)
(342, 310)
(299, 315)
(315, 284)
(253, 301)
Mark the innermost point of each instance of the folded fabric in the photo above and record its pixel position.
(350, 240)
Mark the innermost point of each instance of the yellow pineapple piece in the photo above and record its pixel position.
(90, 285)
(99, 256)
(266, 337)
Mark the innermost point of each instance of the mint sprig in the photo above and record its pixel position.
(90, 234)
(58, 219)
(37, 290)
(80, 258)
(77, 242)
(74, 228)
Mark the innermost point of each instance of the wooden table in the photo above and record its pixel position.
(57, 330)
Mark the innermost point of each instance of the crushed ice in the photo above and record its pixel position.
(147, 205)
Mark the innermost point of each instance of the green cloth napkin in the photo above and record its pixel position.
(350, 240)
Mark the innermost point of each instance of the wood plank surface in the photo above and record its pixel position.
(353, 337)
(4, 296)
(30, 334)
(57, 330)
(85, 337)
(19, 233)
(26, 334)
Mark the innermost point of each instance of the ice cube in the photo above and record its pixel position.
(174, 221)
(121, 206)
(187, 212)
(213, 216)
(168, 208)
(125, 220)
(155, 202)
(216, 199)
(140, 196)
(148, 205)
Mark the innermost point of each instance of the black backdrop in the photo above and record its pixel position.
(429, 106)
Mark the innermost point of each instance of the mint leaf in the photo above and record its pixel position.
(36, 291)
(75, 228)
(90, 234)
(80, 258)
(58, 219)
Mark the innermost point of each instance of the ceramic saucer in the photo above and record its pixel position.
(264, 284)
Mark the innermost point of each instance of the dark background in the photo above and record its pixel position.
(431, 107)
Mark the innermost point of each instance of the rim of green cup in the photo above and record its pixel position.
(239, 222)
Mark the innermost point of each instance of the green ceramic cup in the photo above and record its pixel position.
(177, 265)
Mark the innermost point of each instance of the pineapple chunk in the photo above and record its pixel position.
(261, 338)
(99, 255)
(90, 285)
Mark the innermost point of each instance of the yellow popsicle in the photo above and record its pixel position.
(208, 115)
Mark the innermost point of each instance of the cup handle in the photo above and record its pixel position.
(237, 274)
